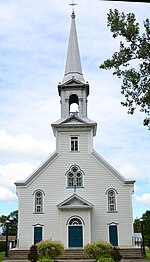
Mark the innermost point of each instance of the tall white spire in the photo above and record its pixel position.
(73, 67)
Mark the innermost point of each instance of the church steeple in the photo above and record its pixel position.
(73, 91)
(73, 67)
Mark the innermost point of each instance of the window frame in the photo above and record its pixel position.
(72, 178)
(74, 143)
(38, 202)
(111, 201)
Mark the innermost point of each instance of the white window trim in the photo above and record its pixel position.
(82, 177)
(34, 196)
(74, 151)
(115, 192)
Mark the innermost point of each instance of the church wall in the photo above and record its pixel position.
(97, 180)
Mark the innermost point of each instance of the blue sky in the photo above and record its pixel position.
(33, 45)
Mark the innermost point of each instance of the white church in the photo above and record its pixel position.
(75, 196)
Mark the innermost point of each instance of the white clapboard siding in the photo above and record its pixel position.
(52, 181)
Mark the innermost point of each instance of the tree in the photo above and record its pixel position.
(137, 225)
(13, 218)
(132, 61)
(146, 226)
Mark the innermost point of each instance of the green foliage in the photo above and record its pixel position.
(44, 259)
(137, 225)
(132, 61)
(2, 254)
(2, 246)
(146, 227)
(97, 249)
(33, 254)
(105, 259)
(115, 253)
(13, 217)
(147, 253)
(50, 249)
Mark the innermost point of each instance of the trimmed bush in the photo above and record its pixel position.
(97, 249)
(33, 255)
(115, 253)
(50, 249)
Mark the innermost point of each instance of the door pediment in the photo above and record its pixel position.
(75, 201)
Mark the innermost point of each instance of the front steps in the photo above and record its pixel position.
(131, 253)
(75, 254)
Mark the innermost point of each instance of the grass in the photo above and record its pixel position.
(2, 254)
(147, 253)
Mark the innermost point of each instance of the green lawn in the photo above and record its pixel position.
(2, 254)
(147, 253)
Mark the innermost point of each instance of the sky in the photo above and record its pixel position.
(33, 47)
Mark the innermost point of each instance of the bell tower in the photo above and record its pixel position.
(73, 90)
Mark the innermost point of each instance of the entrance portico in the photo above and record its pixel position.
(75, 221)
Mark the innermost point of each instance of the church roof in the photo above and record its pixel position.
(73, 67)
(74, 121)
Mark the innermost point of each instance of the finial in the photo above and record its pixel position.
(73, 4)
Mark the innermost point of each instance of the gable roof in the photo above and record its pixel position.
(74, 121)
(73, 83)
(75, 201)
(38, 170)
(112, 169)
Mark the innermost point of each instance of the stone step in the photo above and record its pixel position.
(131, 253)
(76, 254)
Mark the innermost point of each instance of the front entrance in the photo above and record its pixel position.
(75, 233)
(75, 236)
(37, 234)
(113, 235)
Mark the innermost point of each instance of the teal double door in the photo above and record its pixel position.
(75, 236)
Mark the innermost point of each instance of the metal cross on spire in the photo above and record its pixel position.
(73, 4)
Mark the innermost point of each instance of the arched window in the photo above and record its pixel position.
(111, 194)
(75, 221)
(74, 176)
(38, 201)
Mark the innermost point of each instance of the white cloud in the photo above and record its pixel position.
(24, 145)
(144, 199)
(6, 195)
(14, 172)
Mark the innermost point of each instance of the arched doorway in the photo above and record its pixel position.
(75, 232)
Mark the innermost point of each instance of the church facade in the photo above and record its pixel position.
(75, 196)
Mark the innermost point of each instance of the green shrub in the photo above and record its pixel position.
(33, 255)
(2, 246)
(115, 253)
(97, 249)
(105, 259)
(44, 259)
(50, 249)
